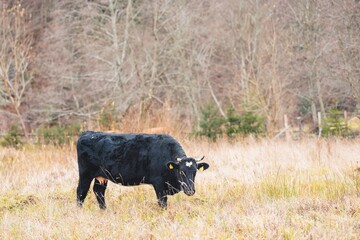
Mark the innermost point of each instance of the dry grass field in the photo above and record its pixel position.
(254, 189)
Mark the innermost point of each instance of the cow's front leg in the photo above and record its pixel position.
(160, 194)
(162, 201)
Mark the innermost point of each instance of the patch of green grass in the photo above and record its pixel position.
(329, 189)
(321, 184)
(15, 202)
(288, 233)
(278, 186)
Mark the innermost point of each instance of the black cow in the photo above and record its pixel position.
(133, 159)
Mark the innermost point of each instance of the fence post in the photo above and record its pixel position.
(319, 124)
(286, 123)
(299, 125)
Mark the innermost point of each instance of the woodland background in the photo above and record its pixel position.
(140, 61)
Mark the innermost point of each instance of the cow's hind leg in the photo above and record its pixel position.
(82, 189)
(99, 190)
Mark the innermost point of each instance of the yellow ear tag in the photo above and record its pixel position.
(201, 169)
(171, 166)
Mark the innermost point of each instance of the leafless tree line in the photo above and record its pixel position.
(67, 59)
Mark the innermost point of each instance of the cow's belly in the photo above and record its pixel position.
(124, 181)
(127, 177)
(130, 181)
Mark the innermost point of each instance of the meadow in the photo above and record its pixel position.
(254, 189)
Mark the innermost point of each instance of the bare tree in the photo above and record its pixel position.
(85, 57)
(316, 29)
(15, 58)
(254, 50)
(177, 57)
(348, 43)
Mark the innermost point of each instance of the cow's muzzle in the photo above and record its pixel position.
(189, 192)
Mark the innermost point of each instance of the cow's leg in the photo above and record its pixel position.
(99, 190)
(83, 188)
(162, 200)
(160, 194)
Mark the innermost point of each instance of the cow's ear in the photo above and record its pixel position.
(172, 165)
(202, 166)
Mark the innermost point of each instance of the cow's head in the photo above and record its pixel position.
(186, 169)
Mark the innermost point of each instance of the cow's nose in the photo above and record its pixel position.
(190, 192)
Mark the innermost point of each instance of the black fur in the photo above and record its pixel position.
(133, 159)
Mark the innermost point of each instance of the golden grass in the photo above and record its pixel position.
(254, 189)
